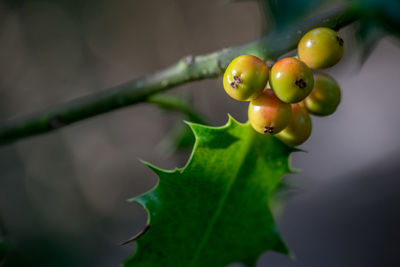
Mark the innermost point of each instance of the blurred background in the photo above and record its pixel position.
(62, 194)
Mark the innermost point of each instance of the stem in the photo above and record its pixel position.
(188, 69)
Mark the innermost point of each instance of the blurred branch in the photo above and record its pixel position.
(188, 69)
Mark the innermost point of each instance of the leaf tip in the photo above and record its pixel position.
(154, 168)
(130, 200)
(291, 256)
(296, 149)
(232, 120)
(135, 237)
(194, 127)
(294, 170)
(138, 200)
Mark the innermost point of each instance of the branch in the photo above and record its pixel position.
(188, 69)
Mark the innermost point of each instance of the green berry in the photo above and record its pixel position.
(299, 127)
(320, 48)
(325, 97)
(268, 114)
(291, 80)
(245, 77)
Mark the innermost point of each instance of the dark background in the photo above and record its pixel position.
(62, 195)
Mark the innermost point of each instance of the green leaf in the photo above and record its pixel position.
(368, 35)
(382, 13)
(215, 210)
(280, 14)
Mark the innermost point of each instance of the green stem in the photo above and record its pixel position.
(188, 69)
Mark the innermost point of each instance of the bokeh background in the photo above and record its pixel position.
(62, 195)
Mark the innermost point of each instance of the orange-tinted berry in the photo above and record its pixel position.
(325, 97)
(268, 114)
(299, 127)
(245, 77)
(320, 48)
(291, 80)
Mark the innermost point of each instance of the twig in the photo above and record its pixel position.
(188, 69)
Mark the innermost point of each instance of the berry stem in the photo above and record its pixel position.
(188, 69)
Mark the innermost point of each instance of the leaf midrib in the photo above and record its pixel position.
(222, 202)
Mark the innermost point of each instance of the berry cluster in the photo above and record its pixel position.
(282, 98)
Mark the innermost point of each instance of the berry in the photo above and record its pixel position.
(299, 127)
(268, 114)
(291, 80)
(320, 48)
(245, 77)
(325, 97)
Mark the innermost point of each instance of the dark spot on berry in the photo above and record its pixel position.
(340, 40)
(236, 81)
(300, 83)
(269, 129)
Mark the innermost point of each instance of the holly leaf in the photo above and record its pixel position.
(280, 14)
(368, 35)
(216, 209)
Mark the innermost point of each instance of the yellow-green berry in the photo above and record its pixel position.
(291, 80)
(320, 48)
(325, 97)
(268, 114)
(299, 127)
(245, 77)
